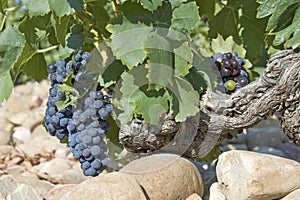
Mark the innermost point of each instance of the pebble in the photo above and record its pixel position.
(55, 166)
(57, 192)
(258, 176)
(194, 197)
(21, 135)
(4, 137)
(173, 176)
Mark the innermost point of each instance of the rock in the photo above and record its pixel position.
(57, 192)
(4, 137)
(293, 195)
(39, 131)
(255, 176)
(4, 149)
(71, 176)
(166, 176)
(229, 147)
(269, 150)
(29, 149)
(55, 166)
(112, 186)
(291, 150)
(24, 192)
(21, 135)
(264, 136)
(7, 186)
(209, 176)
(215, 193)
(194, 197)
(61, 153)
(48, 143)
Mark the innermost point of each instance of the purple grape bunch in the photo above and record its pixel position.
(230, 67)
(83, 125)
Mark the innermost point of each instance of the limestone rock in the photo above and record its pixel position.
(112, 186)
(57, 192)
(255, 176)
(4, 137)
(7, 186)
(24, 192)
(55, 166)
(166, 176)
(21, 135)
(295, 195)
(215, 193)
(194, 197)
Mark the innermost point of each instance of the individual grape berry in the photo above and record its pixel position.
(243, 81)
(225, 72)
(228, 55)
(230, 85)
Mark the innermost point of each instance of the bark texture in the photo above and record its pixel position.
(276, 91)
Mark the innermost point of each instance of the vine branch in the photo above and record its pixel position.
(276, 91)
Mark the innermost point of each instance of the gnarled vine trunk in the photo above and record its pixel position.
(277, 90)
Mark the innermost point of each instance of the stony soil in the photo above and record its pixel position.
(259, 164)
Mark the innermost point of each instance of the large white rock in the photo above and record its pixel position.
(111, 186)
(215, 193)
(295, 195)
(166, 176)
(247, 175)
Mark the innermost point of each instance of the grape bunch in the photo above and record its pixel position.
(230, 67)
(88, 130)
(56, 120)
(83, 125)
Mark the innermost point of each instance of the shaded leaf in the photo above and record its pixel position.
(11, 45)
(61, 26)
(185, 16)
(36, 67)
(160, 62)
(225, 22)
(183, 59)
(151, 4)
(40, 7)
(76, 4)
(60, 7)
(6, 85)
(185, 99)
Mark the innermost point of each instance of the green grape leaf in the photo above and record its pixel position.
(225, 22)
(6, 85)
(183, 59)
(75, 40)
(252, 26)
(130, 82)
(289, 35)
(3, 5)
(206, 8)
(275, 8)
(36, 8)
(150, 104)
(185, 100)
(76, 4)
(185, 17)
(228, 45)
(31, 26)
(128, 50)
(11, 45)
(36, 67)
(161, 17)
(151, 4)
(160, 60)
(61, 26)
(60, 7)
(176, 3)
(204, 67)
(24, 57)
